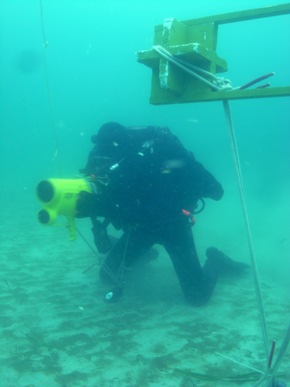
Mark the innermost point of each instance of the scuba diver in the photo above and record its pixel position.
(149, 186)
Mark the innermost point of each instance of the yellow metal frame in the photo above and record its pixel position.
(194, 42)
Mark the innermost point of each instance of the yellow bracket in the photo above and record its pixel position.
(194, 42)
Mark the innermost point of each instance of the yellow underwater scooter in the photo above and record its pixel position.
(59, 197)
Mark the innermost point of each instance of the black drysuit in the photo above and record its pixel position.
(147, 184)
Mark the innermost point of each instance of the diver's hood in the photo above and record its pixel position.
(111, 140)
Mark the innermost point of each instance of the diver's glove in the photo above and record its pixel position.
(88, 205)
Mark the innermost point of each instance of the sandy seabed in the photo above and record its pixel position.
(56, 329)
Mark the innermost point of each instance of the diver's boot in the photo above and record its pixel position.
(224, 264)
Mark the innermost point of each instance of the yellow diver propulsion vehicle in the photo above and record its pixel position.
(59, 197)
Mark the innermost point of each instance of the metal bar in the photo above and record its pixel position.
(257, 13)
(162, 98)
(253, 93)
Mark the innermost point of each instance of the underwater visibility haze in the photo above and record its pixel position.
(66, 68)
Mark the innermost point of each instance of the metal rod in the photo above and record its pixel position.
(247, 224)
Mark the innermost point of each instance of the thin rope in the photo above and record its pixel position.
(247, 224)
(91, 248)
(48, 92)
(241, 364)
(45, 42)
(119, 277)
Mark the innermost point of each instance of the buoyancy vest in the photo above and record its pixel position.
(149, 178)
